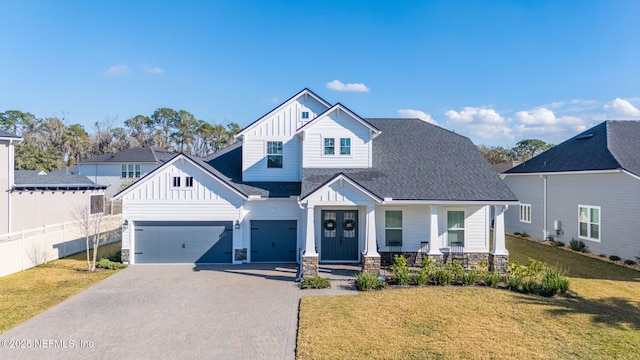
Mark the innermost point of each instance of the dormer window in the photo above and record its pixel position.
(305, 114)
(176, 181)
(274, 154)
(329, 146)
(345, 146)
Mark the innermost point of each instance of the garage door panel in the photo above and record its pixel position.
(183, 242)
(273, 240)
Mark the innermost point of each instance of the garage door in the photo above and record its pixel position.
(203, 242)
(273, 240)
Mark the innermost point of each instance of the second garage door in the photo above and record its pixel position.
(273, 240)
(203, 242)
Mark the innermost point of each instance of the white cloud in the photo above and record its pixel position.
(623, 108)
(417, 114)
(153, 70)
(118, 69)
(337, 85)
(540, 116)
(480, 122)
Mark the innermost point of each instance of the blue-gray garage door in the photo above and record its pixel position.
(273, 240)
(204, 242)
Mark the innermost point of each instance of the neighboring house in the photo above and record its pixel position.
(32, 198)
(7, 164)
(314, 178)
(123, 167)
(502, 167)
(587, 188)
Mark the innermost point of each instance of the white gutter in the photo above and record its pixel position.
(576, 172)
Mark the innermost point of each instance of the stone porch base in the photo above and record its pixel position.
(371, 264)
(309, 266)
(499, 263)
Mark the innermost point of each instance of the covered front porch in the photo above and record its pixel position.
(344, 223)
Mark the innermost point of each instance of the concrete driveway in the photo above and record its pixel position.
(171, 312)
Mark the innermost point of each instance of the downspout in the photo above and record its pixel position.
(301, 252)
(544, 207)
(9, 185)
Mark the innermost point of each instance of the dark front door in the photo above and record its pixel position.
(339, 235)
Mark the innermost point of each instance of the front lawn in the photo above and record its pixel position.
(599, 319)
(30, 292)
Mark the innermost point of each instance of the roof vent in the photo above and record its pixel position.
(585, 136)
(42, 173)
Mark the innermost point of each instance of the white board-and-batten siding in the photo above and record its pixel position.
(157, 199)
(337, 125)
(279, 125)
(529, 189)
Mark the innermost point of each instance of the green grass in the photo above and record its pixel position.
(30, 292)
(599, 319)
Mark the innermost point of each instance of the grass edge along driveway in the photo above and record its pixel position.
(600, 319)
(28, 293)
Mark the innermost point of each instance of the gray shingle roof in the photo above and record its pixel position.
(4, 134)
(59, 179)
(137, 155)
(607, 146)
(415, 160)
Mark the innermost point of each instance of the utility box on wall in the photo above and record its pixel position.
(557, 226)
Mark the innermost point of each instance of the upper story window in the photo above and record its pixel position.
(130, 171)
(345, 146)
(97, 204)
(525, 213)
(188, 181)
(305, 114)
(589, 222)
(329, 146)
(274, 154)
(176, 181)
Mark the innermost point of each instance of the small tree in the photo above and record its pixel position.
(92, 227)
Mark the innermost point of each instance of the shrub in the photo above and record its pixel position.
(443, 276)
(366, 281)
(514, 282)
(315, 282)
(552, 283)
(558, 243)
(530, 286)
(491, 279)
(630, 262)
(108, 264)
(457, 271)
(115, 257)
(576, 245)
(614, 258)
(469, 278)
(421, 277)
(400, 271)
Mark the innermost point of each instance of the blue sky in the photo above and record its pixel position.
(496, 71)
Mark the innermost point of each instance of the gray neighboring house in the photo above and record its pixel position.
(314, 178)
(586, 188)
(123, 167)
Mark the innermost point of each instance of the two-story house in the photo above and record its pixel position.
(316, 179)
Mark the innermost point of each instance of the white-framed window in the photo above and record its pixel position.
(345, 146)
(130, 171)
(274, 154)
(393, 227)
(589, 222)
(305, 114)
(525, 213)
(175, 181)
(96, 204)
(329, 146)
(455, 227)
(188, 181)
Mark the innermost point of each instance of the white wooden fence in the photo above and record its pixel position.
(28, 248)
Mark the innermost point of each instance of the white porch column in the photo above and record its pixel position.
(499, 244)
(310, 238)
(434, 240)
(371, 245)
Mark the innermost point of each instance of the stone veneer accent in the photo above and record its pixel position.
(309, 266)
(124, 256)
(241, 254)
(499, 263)
(415, 258)
(371, 264)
